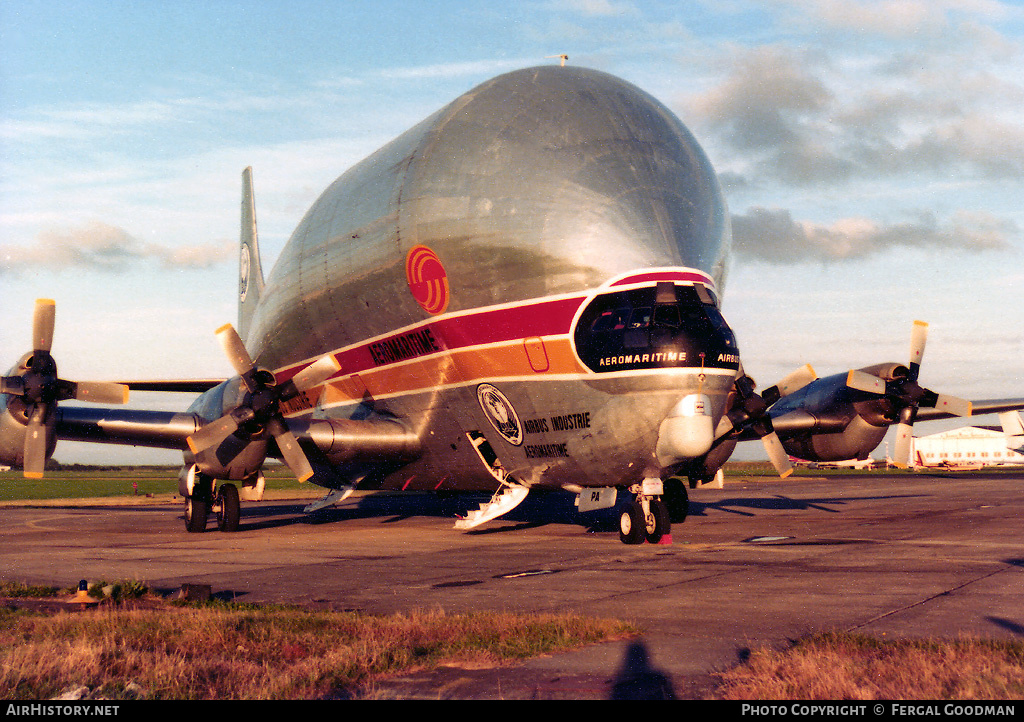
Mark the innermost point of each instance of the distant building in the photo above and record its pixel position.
(968, 446)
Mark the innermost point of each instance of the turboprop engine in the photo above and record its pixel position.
(845, 416)
(248, 415)
(30, 393)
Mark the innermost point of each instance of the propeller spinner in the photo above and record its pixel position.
(40, 389)
(260, 415)
(907, 396)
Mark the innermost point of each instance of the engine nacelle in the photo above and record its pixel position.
(856, 441)
(826, 420)
(12, 432)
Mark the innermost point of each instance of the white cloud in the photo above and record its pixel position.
(100, 246)
(599, 7)
(774, 236)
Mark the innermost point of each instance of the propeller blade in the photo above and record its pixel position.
(904, 437)
(101, 392)
(777, 454)
(918, 338)
(954, 405)
(211, 435)
(901, 453)
(293, 454)
(862, 381)
(36, 443)
(236, 352)
(42, 324)
(797, 380)
(316, 373)
(793, 382)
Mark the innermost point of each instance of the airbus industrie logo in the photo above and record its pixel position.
(500, 413)
(428, 280)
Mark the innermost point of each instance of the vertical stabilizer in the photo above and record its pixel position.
(250, 272)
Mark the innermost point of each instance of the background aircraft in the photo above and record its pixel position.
(520, 292)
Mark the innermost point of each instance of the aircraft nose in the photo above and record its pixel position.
(687, 432)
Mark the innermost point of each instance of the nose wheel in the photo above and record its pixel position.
(645, 519)
(227, 507)
(223, 503)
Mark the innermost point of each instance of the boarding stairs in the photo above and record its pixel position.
(507, 498)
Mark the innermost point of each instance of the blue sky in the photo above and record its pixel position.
(872, 154)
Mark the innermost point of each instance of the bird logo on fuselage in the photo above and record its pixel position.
(428, 281)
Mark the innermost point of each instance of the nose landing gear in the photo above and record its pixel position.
(223, 502)
(646, 518)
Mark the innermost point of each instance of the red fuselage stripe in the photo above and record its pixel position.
(543, 318)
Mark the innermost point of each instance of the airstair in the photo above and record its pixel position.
(507, 498)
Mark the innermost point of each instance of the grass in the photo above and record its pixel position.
(223, 651)
(839, 666)
(93, 483)
(161, 650)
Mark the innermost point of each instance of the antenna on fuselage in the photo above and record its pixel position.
(563, 57)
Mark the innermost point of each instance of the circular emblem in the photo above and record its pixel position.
(427, 279)
(243, 273)
(500, 413)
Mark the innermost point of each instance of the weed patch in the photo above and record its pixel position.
(220, 652)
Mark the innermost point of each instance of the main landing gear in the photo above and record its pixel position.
(646, 517)
(223, 503)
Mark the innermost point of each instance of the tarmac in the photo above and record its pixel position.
(758, 564)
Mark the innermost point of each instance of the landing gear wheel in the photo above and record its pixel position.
(658, 523)
(633, 524)
(197, 510)
(677, 498)
(227, 507)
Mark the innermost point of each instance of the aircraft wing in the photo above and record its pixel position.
(339, 439)
(801, 421)
(135, 427)
(193, 386)
(230, 419)
(988, 406)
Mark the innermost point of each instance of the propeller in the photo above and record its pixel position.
(906, 395)
(750, 412)
(40, 389)
(260, 415)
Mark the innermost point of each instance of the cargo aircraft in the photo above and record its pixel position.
(522, 292)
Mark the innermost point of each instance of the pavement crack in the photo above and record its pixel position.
(922, 602)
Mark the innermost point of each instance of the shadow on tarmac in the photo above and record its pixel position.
(737, 505)
(638, 680)
(539, 509)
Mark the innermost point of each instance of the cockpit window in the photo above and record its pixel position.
(640, 318)
(611, 320)
(651, 327)
(666, 316)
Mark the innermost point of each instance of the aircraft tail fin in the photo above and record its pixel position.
(250, 271)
